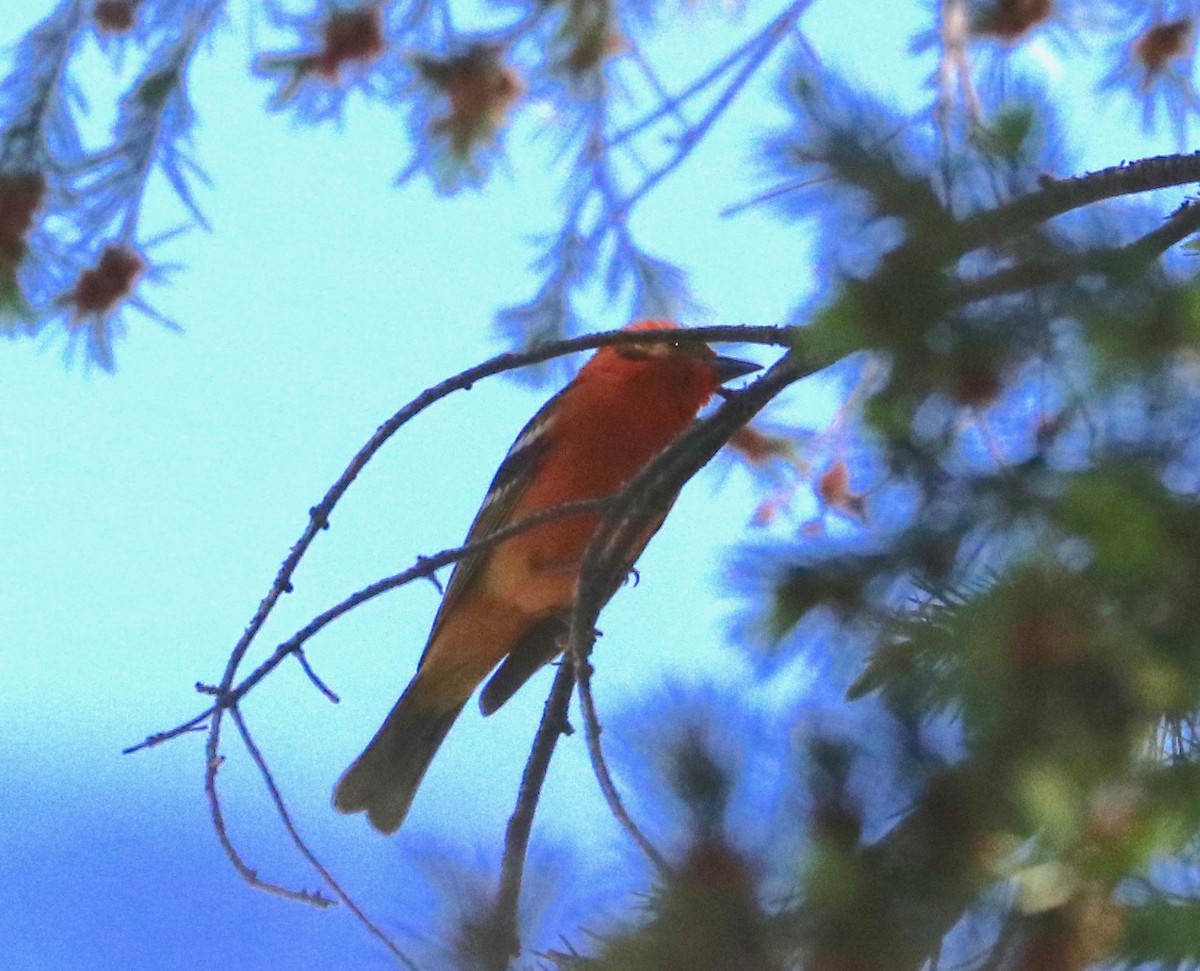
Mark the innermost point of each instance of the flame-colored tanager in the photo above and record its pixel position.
(508, 605)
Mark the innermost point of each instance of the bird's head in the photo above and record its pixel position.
(694, 357)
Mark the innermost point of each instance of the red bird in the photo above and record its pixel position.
(508, 605)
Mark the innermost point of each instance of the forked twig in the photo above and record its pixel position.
(424, 567)
(245, 871)
(302, 846)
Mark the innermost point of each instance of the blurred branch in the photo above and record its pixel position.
(756, 46)
(1128, 260)
(762, 47)
(41, 132)
(579, 255)
(1059, 196)
(155, 118)
(921, 892)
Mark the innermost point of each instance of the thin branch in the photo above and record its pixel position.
(1128, 260)
(593, 729)
(709, 77)
(303, 847)
(765, 45)
(314, 898)
(520, 824)
(672, 106)
(188, 727)
(424, 567)
(774, 192)
(320, 685)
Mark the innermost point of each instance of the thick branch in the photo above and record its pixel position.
(1059, 196)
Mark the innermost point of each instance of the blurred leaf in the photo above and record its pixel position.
(1164, 932)
(1005, 134)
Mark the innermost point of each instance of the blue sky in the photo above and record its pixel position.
(145, 514)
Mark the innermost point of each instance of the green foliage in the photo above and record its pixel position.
(1028, 611)
(1162, 931)
(1145, 328)
(704, 918)
(1006, 135)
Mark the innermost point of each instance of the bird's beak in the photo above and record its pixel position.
(728, 368)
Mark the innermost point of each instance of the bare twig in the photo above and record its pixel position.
(616, 805)
(774, 192)
(247, 873)
(191, 726)
(520, 824)
(425, 566)
(302, 846)
(320, 685)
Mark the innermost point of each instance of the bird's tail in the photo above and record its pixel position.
(383, 780)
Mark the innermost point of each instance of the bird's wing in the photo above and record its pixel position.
(520, 466)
